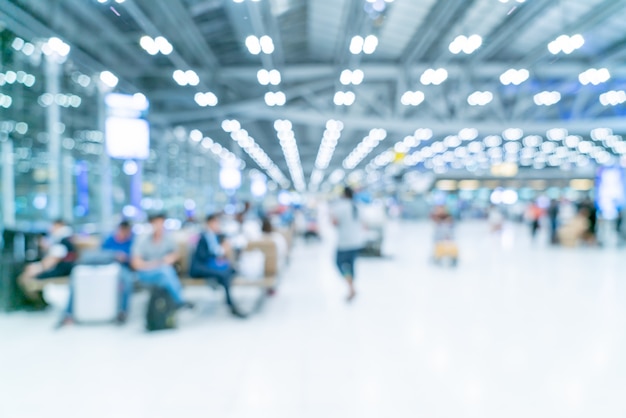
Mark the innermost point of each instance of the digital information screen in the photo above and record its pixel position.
(127, 132)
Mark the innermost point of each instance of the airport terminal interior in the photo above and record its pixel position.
(312, 208)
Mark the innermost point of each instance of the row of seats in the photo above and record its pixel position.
(275, 254)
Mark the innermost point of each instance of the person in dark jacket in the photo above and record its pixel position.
(58, 261)
(210, 260)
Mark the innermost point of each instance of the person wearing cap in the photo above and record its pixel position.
(210, 260)
(153, 257)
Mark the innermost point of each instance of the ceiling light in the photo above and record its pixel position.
(195, 135)
(513, 134)
(436, 77)
(613, 98)
(566, 44)
(468, 134)
(601, 134)
(275, 98)
(274, 77)
(184, 78)
(547, 98)
(356, 45)
(56, 45)
(148, 44)
(423, 134)
(206, 99)
(263, 76)
(480, 98)
(28, 49)
(267, 45)
(465, 44)
(17, 44)
(163, 45)
(369, 44)
(556, 134)
(5, 101)
(515, 77)
(594, 76)
(108, 78)
(412, 98)
(351, 77)
(344, 98)
(253, 44)
(192, 78)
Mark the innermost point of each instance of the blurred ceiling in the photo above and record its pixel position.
(311, 47)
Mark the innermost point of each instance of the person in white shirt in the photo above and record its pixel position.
(349, 237)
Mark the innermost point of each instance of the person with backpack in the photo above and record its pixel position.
(345, 217)
(153, 257)
(210, 260)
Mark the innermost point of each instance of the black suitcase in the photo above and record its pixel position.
(161, 312)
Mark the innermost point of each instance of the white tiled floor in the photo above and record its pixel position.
(517, 330)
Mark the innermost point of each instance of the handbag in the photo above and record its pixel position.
(219, 264)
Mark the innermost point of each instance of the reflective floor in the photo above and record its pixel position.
(518, 329)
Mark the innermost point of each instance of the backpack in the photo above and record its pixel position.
(161, 312)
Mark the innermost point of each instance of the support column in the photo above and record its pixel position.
(53, 122)
(106, 180)
(68, 188)
(8, 181)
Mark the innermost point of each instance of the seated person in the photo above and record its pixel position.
(210, 260)
(120, 243)
(278, 239)
(153, 257)
(60, 255)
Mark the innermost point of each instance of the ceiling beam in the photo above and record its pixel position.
(440, 20)
(404, 127)
(393, 71)
(176, 17)
(590, 20)
(509, 27)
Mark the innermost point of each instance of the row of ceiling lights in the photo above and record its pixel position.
(156, 45)
(439, 153)
(287, 139)
(366, 146)
(65, 100)
(207, 143)
(249, 145)
(255, 45)
(330, 137)
(19, 77)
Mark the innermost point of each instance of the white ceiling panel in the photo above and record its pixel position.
(403, 19)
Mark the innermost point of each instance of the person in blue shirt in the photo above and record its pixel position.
(121, 242)
(210, 260)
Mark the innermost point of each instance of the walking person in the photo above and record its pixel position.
(345, 216)
(534, 216)
(553, 216)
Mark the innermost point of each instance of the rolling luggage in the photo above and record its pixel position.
(161, 313)
(446, 249)
(95, 290)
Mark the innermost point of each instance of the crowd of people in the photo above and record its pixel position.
(150, 259)
(153, 259)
